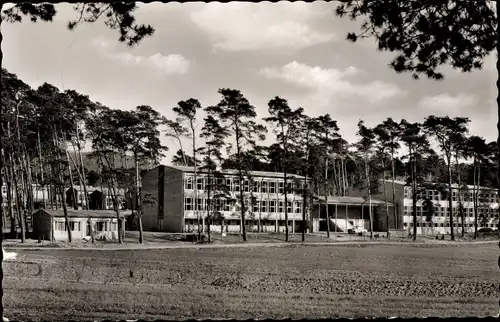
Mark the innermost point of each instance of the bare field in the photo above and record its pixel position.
(274, 282)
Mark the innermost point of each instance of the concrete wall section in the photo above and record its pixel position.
(150, 211)
(173, 218)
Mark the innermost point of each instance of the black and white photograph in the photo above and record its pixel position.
(250, 160)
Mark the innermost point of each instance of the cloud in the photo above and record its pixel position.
(247, 26)
(172, 64)
(447, 102)
(328, 83)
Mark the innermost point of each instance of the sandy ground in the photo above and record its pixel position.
(295, 281)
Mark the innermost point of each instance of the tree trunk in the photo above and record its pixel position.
(326, 201)
(72, 186)
(209, 201)
(498, 111)
(9, 176)
(285, 190)
(414, 192)
(62, 193)
(195, 179)
(182, 151)
(82, 167)
(24, 190)
(394, 188)
(116, 203)
(137, 198)
(29, 182)
(386, 207)
(368, 186)
(476, 196)
(459, 195)
(240, 178)
(450, 197)
(39, 148)
(343, 175)
(18, 202)
(305, 189)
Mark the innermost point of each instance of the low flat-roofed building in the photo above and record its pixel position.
(49, 224)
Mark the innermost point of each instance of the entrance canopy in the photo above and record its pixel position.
(351, 201)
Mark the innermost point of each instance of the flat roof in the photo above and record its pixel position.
(353, 201)
(85, 213)
(234, 172)
(453, 185)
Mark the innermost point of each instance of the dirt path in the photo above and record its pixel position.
(245, 245)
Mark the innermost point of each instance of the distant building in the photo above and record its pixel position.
(172, 189)
(102, 200)
(440, 223)
(50, 224)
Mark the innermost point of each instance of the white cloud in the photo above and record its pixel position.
(330, 83)
(447, 102)
(239, 26)
(172, 64)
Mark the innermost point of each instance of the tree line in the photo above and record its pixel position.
(46, 130)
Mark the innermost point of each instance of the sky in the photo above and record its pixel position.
(297, 51)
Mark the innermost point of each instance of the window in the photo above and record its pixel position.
(219, 204)
(272, 206)
(298, 207)
(60, 226)
(207, 183)
(289, 207)
(199, 183)
(256, 206)
(199, 204)
(290, 187)
(99, 226)
(188, 203)
(229, 185)
(246, 185)
(263, 206)
(263, 186)
(236, 185)
(227, 205)
(188, 183)
(74, 225)
(256, 186)
(280, 206)
(281, 187)
(272, 187)
(454, 195)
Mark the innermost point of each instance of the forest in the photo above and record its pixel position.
(48, 133)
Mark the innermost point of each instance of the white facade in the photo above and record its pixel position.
(267, 210)
(102, 227)
(440, 224)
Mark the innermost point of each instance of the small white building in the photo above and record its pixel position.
(50, 224)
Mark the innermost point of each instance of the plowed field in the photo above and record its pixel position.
(272, 282)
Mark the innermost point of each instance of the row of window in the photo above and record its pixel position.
(491, 197)
(438, 210)
(458, 225)
(249, 222)
(258, 206)
(234, 185)
(78, 226)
